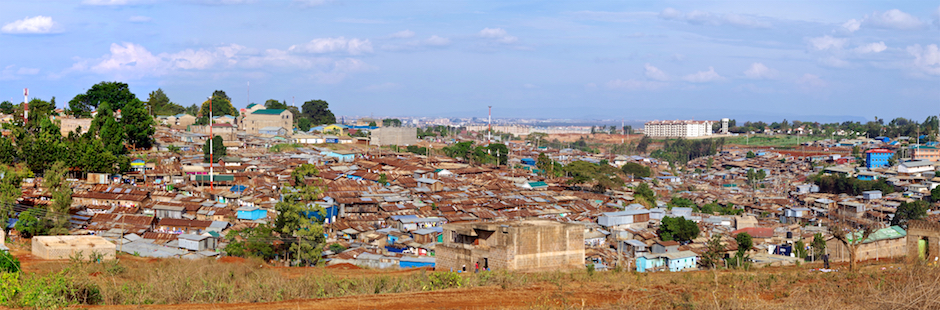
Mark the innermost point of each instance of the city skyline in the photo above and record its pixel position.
(826, 61)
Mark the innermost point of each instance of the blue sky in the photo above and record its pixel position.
(769, 60)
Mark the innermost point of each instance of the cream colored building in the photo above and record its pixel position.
(678, 128)
(268, 118)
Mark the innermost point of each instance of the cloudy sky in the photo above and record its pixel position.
(807, 60)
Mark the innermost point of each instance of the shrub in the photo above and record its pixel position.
(9, 263)
(443, 280)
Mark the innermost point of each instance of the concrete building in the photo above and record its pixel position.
(65, 247)
(529, 245)
(259, 119)
(184, 120)
(401, 136)
(877, 158)
(69, 124)
(678, 128)
(883, 243)
(724, 126)
(923, 240)
(921, 152)
(224, 130)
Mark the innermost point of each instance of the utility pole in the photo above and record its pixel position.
(489, 125)
(211, 146)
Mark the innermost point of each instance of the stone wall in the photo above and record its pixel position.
(401, 136)
(522, 246)
(872, 250)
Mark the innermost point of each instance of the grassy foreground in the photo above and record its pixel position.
(883, 285)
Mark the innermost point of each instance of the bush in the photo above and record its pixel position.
(443, 280)
(9, 263)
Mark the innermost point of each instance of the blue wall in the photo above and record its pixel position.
(875, 160)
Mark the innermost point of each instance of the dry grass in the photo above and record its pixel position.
(883, 285)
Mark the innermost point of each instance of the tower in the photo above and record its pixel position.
(724, 126)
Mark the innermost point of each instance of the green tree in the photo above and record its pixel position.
(117, 94)
(138, 125)
(112, 136)
(391, 122)
(11, 178)
(544, 163)
(581, 172)
(8, 151)
(500, 152)
(8, 264)
(745, 243)
(309, 243)
(372, 124)
(636, 170)
(714, 249)
(6, 107)
(799, 249)
(819, 245)
(192, 110)
(934, 193)
(750, 154)
(61, 193)
(304, 124)
(643, 144)
(274, 104)
(218, 149)
(910, 211)
(383, 179)
(318, 111)
(644, 191)
(252, 242)
(678, 229)
(159, 104)
(221, 105)
(32, 222)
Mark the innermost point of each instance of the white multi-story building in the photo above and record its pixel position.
(678, 128)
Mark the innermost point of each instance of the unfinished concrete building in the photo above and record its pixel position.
(65, 247)
(401, 136)
(530, 245)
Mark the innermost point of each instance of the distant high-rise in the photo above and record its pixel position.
(724, 126)
(678, 128)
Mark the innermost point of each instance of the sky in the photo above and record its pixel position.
(635, 60)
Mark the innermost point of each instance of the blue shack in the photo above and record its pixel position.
(669, 261)
(251, 213)
(528, 161)
(416, 262)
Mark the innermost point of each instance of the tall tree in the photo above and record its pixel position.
(712, 257)
(61, 193)
(678, 229)
(221, 105)
(159, 104)
(218, 149)
(10, 190)
(319, 112)
(138, 125)
(907, 211)
(745, 243)
(6, 107)
(274, 104)
(116, 93)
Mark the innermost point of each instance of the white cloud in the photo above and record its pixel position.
(759, 71)
(498, 34)
(104, 2)
(655, 74)
(936, 17)
(437, 41)
(894, 19)
(632, 84)
(826, 42)
(334, 45)
(133, 61)
(11, 72)
(852, 25)
(38, 24)
(833, 61)
(139, 19)
(404, 34)
(311, 3)
(705, 18)
(704, 76)
(926, 59)
(811, 81)
(876, 47)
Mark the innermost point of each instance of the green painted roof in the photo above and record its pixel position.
(269, 111)
(537, 184)
(217, 177)
(251, 105)
(892, 232)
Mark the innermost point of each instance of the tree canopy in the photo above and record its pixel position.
(678, 229)
(221, 105)
(907, 211)
(636, 170)
(318, 111)
(159, 104)
(218, 149)
(117, 94)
